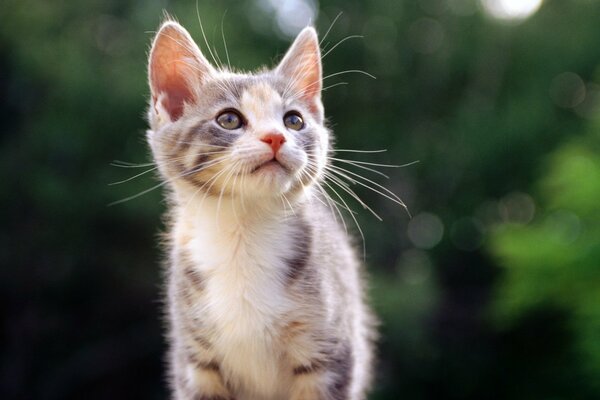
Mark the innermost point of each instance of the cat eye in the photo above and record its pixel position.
(230, 120)
(293, 120)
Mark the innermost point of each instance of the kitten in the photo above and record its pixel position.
(265, 299)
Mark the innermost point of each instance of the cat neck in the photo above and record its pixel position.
(227, 231)
(226, 213)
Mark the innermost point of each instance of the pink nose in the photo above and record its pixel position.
(275, 140)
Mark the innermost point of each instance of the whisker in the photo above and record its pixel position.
(193, 171)
(289, 204)
(349, 71)
(224, 41)
(126, 164)
(330, 27)
(312, 168)
(335, 206)
(233, 185)
(334, 85)
(217, 54)
(213, 180)
(359, 151)
(133, 177)
(340, 42)
(231, 170)
(314, 196)
(378, 165)
(342, 172)
(344, 186)
(305, 70)
(136, 195)
(353, 217)
(203, 34)
(391, 196)
(347, 189)
(361, 166)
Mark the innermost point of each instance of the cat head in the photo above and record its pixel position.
(222, 133)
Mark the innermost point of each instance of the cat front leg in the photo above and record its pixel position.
(200, 380)
(326, 378)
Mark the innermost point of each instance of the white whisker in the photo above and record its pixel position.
(334, 85)
(224, 41)
(203, 34)
(187, 173)
(330, 27)
(350, 71)
(340, 42)
(359, 151)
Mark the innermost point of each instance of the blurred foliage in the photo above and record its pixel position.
(489, 291)
(555, 261)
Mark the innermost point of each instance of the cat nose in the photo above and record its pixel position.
(275, 140)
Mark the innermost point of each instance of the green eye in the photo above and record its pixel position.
(229, 120)
(293, 120)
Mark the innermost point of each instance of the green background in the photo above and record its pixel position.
(491, 290)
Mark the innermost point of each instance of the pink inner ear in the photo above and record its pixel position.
(306, 73)
(176, 93)
(302, 66)
(311, 84)
(175, 67)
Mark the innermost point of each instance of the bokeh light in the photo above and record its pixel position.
(511, 9)
(425, 230)
(291, 15)
(567, 90)
(517, 208)
(414, 267)
(565, 223)
(426, 35)
(589, 108)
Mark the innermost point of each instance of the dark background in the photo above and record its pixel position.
(491, 290)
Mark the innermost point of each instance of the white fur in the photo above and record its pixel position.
(242, 262)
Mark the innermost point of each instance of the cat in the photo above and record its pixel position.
(265, 295)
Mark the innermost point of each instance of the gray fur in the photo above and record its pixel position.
(328, 323)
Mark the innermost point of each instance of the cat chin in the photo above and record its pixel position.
(270, 180)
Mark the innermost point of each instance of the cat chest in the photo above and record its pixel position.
(244, 274)
(244, 283)
(241, 299)
(245, 302)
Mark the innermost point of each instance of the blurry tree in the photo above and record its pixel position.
(555, 262)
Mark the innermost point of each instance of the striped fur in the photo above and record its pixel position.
(265, 300)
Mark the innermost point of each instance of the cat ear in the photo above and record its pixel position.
(176, 68)
(302, 67)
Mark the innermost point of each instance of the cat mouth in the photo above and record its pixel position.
(272, 164)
